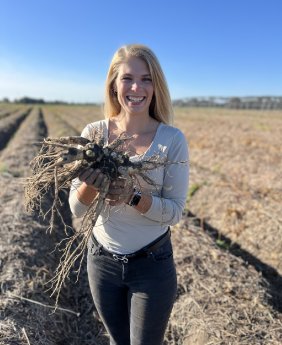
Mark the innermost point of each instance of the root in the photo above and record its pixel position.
(76, 245)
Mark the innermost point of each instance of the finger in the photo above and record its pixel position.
(85, 174)
(115, 202)
(116, 184)
(111, 197)
(115, 191)
(89, 176)
(100, 180)
(120, 198)
(93, 176)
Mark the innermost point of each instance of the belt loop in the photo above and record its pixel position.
(96, 251)
(99, 251)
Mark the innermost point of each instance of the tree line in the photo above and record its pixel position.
(260, 102)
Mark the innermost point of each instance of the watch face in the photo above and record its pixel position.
(135, 200)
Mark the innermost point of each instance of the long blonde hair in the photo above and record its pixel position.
(161, 106)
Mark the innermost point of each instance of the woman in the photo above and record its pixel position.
(130, 264)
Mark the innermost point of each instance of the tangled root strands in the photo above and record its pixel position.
(60, 160)
(76, 245)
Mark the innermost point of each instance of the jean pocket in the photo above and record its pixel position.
(162, 253)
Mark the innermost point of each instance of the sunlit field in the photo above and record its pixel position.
(227, 248)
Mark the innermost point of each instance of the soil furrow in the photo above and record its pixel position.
(69, 123)
(24, 144)
(78, 118)
(240, 212)
(9, 125)
(57, 127)
(4, 113)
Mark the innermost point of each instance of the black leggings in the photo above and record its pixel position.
(133, 299)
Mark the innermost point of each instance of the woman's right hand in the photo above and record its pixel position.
(94, 178)
(120, 190)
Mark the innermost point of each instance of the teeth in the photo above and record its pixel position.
(135, 99)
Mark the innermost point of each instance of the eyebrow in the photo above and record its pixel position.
(143, 75)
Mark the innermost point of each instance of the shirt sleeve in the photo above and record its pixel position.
(168, 208)
(77, 208)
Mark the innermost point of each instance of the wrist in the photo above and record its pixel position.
(130, 196)
(86, 194)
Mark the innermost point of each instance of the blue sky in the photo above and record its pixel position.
(62, 49)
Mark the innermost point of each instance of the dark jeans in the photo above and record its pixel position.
(133, 299)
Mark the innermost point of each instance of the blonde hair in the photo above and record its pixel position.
(161, 106)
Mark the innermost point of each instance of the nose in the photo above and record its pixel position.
(135, 86)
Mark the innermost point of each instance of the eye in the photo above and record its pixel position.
(148, 79)
(125, 78)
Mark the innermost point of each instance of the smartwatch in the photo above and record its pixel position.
(135, 198)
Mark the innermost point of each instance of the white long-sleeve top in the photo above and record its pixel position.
(122, 229)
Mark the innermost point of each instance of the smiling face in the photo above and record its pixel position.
(134, 86)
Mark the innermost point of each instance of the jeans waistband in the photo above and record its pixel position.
(145, 251)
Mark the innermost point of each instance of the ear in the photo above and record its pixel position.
(114, 88)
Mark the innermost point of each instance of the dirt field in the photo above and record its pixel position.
(227, 247)
(236, 176)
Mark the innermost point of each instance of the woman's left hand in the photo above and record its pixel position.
(120, 191)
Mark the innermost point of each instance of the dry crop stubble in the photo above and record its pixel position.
(77, 117)
(236, 159)
(221, 299)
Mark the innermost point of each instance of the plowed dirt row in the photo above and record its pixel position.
(57, 127)
(9, 125)
(6, 110)
(77, 117)
(6, 113)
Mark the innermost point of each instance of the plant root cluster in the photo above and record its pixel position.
(59, 161)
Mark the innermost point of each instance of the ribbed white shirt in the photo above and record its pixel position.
(122, 229)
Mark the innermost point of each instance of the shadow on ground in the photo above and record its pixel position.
(270, 274)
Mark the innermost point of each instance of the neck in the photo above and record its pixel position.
(134, 124)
